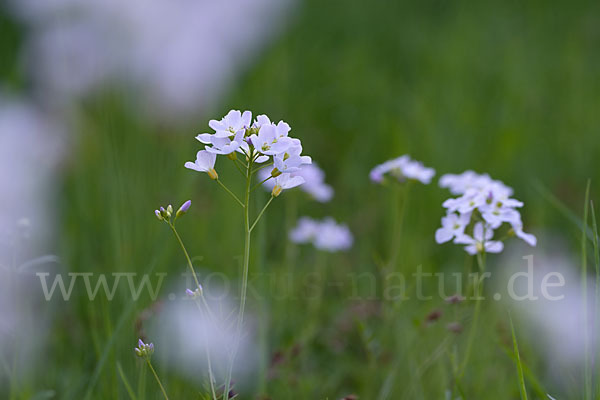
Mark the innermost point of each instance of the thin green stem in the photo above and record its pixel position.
(520, 374)
(597, 289)
(245, 267)
(260, 183)
(162, 388)
(230, 192)
(261, 167)
(237, 163)
(208, 310)
(211, 376)
(476, 312)
(261, 213)
(584, 238)
(187, 256)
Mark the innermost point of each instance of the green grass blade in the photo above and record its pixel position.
(522, 388)
(125, 382)
(587, 375)
(597, 287)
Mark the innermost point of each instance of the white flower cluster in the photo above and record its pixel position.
(259, 141)
(484, 205)
(314, 185)
(402, 168)
(325, 235)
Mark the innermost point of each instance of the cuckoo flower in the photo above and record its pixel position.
(482, 200)
(402, 168)
(205, 162)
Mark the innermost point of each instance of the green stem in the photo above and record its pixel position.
(245, 267)
(473, 330)
(261, 213)
(260, 183)
(208, 310)
(261, 167)
(164, 392)
(211, 376)
(187, 256)
(230, 192)
(587, 380)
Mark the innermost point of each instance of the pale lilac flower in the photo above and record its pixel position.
(486, 198)
(402, 168)
(234, 122)
(272, 139)
(305, 231)
(459, 184)
(453, 226)
(314, 183)
(481, 241)
(205, 162)
(286, 181)
(291, 160)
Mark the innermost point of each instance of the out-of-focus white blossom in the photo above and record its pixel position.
(402, 168)
(326, 235)
(179, 56)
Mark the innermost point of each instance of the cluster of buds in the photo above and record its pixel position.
(164, 214)
(144, 350)
(193, 294)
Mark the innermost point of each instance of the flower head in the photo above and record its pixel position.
(481, 241)
(144, 350)
(484, 202)
(205, 162)
(286, 181)
(402, 168)
(272, 139)
(314, 181)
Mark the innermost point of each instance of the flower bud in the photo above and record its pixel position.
(183, 209)
(143, 349)
(157, 213)
(212, 174)
(164, 213)
(276, 190)
(170, 210)
(275, 173)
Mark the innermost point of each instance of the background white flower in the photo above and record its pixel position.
(402, 168)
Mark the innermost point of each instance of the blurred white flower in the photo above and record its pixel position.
(325, 235)
(402, 168)
(178, 55)
(305, 230)
(190, 334)
(453, 226)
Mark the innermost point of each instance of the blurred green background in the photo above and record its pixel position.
(508, 88)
